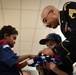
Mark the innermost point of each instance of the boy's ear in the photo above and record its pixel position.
(5, 35)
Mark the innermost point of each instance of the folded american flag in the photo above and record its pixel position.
(41, 58)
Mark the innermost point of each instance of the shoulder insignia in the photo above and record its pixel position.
(64, 7)
(5, 46)
(71, 12)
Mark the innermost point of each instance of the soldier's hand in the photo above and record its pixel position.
(46, 51)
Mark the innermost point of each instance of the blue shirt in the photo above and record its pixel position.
(7, 60)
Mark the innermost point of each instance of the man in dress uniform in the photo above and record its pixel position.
(52, 17)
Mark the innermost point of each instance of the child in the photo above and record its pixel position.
(9, 61)
(43, 68)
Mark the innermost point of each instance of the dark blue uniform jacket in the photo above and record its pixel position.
(67, 49)
(7, 60)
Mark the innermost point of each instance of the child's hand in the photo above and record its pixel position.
(39, 68)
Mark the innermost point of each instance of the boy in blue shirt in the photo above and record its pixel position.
(9, 61)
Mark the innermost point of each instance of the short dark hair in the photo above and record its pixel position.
(7, 29)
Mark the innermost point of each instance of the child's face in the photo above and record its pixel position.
(51, 44)
(11, 39)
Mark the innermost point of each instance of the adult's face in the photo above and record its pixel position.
(50, 19)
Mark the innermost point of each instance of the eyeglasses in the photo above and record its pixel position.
(45, 19)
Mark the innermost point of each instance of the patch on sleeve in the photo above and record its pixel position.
(5, 46)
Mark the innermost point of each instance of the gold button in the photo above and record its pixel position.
(61, 21)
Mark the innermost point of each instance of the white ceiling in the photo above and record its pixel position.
(25, 16)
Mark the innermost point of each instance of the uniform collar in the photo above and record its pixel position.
(2, 41)
(5, 42)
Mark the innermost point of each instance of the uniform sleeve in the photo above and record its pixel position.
(69, 59)
(69, 44)
(8, 56)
